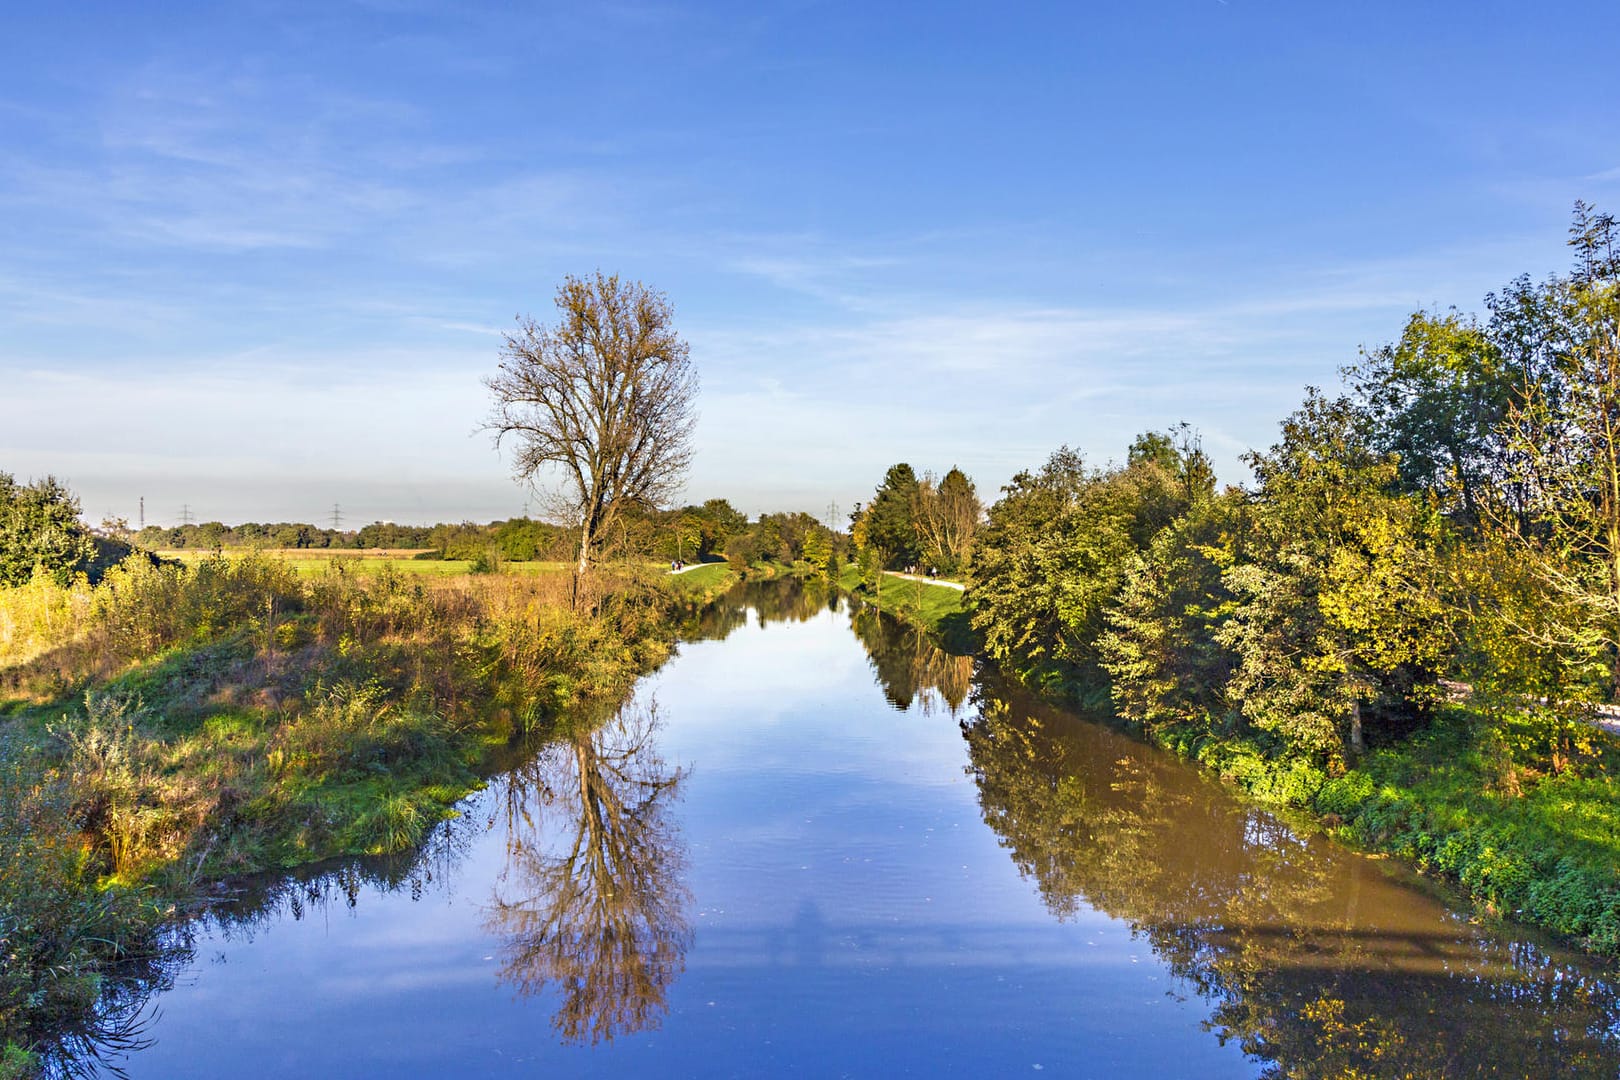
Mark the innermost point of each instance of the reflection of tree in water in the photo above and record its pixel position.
(1315, 960)
(776, 600)
(909, 666)
(594, 905)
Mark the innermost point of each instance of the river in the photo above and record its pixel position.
(815, 844)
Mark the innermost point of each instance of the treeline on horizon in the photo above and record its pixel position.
(697, 532)
(41, 531)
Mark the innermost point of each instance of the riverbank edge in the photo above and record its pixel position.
(369, 816)
(1428, 800)
(937, 609)
(1431, 801)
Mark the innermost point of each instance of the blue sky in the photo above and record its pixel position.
(256, 258)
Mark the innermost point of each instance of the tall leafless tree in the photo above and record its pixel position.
(603, 400)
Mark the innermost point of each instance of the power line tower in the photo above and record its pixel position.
(186, 516)
(337, 517)
(832, 516)
(142, 518)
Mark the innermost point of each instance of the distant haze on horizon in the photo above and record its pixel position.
(256, 260)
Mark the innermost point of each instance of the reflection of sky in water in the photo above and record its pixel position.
(850, 913)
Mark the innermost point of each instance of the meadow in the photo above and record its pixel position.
(425, 561)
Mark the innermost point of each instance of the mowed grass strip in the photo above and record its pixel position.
(936, 608)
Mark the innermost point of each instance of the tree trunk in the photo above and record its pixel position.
(582, 566)
(1357, 745)
(584, 562)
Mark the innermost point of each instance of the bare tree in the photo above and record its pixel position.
(604, 398)
(946, 516)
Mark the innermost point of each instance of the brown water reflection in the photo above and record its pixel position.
(1320, 962)
(591, 904)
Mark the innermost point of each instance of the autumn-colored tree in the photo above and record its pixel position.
(945, 517)
(602, 400)
(1338, 605)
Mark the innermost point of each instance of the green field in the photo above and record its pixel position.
(310, 562)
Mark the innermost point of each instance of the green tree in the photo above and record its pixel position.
(1338, 605)
(1437, 399)
(40, 530)
(519, 540)
(1054, 556)
(889, 527)
(1162, 649)
(295, 536)
(720, 520)
(1561, 510)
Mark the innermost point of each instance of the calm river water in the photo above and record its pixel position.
(814, 844)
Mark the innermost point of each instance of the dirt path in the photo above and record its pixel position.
(958, 586)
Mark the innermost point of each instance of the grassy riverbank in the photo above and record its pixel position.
(178, 724)
(1531, 832)
(935, 608)
(1514, 804)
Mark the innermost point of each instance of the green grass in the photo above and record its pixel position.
(1544, 850)
(317, 561)
(706, 581)
(936, 608)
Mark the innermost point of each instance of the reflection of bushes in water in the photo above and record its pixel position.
(150, 958)
(1310, 957)
(256, 904)
(79, 963)
(910, 667)
(594, 907)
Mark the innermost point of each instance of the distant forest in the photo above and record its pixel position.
(691, 533)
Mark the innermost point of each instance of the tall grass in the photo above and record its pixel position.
(61, 932)
(40, 616)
